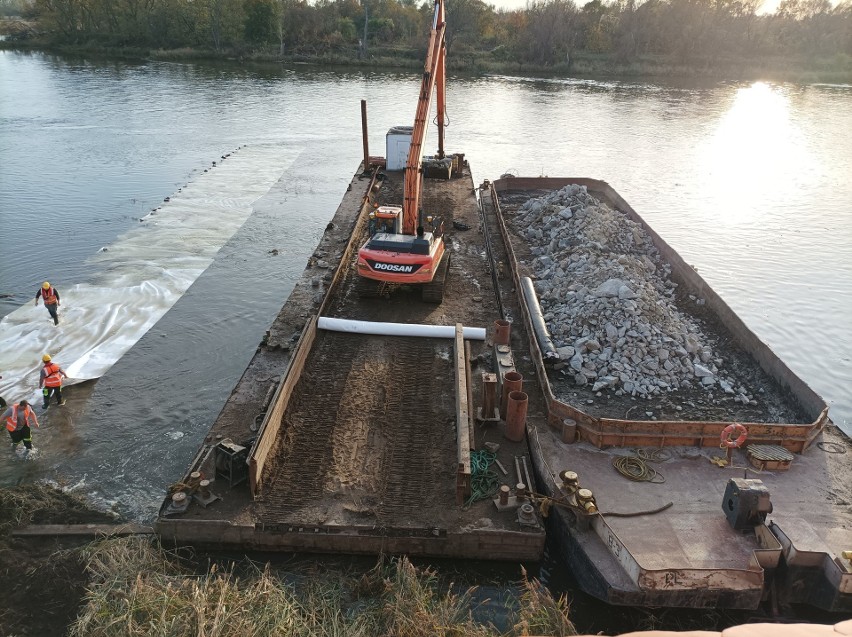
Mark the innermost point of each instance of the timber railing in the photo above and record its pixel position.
(612, 432)
(271, 425)
(274, 418)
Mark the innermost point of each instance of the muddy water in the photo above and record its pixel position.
(748, 181)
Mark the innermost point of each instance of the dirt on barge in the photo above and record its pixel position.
(637, 413)
(364, 444)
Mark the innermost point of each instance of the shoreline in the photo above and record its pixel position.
(581, 66)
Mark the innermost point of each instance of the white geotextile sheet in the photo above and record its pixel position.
(139, 276)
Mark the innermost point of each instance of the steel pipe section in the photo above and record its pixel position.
(548, 350)
(398, 329)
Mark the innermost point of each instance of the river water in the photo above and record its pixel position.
(750, 182)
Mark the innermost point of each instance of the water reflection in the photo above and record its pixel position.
(721, 170)
(756, 148)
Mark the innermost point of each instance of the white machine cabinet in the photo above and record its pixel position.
(398, 145)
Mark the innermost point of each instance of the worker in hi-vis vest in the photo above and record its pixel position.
(50, 381)
(18, 419)
(50, 296)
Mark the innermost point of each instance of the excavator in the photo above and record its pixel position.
(401, 250)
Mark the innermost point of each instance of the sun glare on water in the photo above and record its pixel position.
(756, 150)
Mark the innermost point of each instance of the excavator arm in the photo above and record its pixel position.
(434, 76)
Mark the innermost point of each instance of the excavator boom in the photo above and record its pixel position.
(434, 76)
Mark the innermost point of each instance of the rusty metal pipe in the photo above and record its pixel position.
(365, 136)
(512, 381)
(502, 332)
(516, 417)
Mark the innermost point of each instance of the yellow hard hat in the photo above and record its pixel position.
(46, 358)
(45, 285)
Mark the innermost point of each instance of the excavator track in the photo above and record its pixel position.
(433, 292)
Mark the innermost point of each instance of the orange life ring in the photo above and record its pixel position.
(734, 428)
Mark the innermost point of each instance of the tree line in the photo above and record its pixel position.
(546, 33)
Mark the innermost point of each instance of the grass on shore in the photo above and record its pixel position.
(137, 588)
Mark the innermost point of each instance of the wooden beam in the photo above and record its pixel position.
(82, 530)
(462, 419)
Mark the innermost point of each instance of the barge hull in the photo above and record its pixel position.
(685, 553)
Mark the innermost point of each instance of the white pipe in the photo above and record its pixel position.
(398, 329)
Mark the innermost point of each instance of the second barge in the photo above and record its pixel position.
(772, 523)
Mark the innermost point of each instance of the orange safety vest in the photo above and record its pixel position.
(48, 296)
(53, 375)
(12, 422)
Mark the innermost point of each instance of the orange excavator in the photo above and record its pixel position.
(400, 249)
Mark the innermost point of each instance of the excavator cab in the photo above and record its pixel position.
(386, 219)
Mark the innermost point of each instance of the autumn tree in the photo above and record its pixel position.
(465, 19)
(552, 32)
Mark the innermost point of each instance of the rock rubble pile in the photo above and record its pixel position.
(609, 302)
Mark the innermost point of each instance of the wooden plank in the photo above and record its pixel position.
(462, 419)
(471, 443)
(272, 422)
(268, 433)
(83, 530)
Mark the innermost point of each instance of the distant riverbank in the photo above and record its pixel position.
(836, 69)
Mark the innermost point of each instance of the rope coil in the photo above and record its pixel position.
(483, 481)
(831, 447)
(653, 455)
(636, 469)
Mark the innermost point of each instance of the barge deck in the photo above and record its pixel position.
(684, 550)
(361, 444)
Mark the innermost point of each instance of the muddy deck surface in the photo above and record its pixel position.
(370, 436)
(358, 446)
(368, 439)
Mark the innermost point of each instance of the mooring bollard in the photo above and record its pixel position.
(504, 494)
(569, 430)
(194, 478)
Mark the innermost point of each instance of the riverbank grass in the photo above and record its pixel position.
(137, 588)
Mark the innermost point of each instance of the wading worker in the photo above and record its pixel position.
(18, 419)
(50, 381)
(50, 297)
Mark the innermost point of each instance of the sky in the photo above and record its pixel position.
(769, 6)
